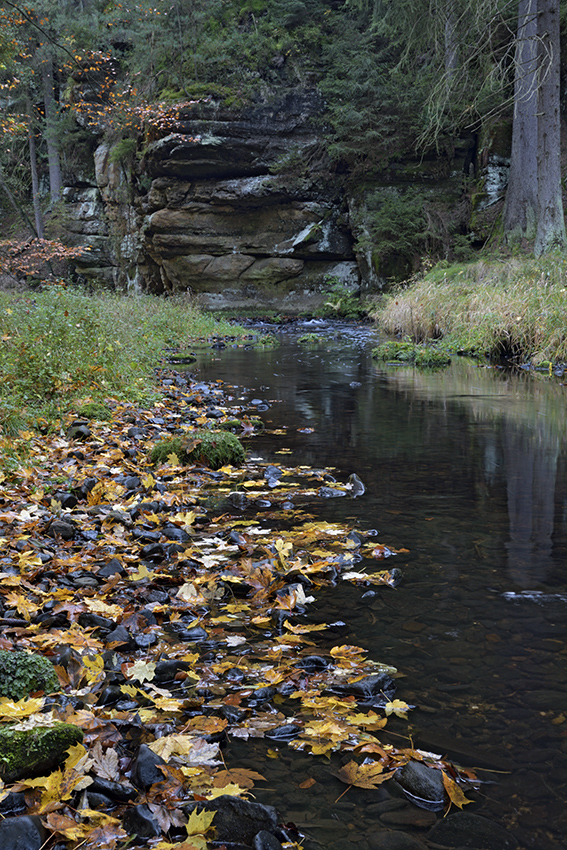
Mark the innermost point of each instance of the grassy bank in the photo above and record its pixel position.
(60, 349)
(513, 307)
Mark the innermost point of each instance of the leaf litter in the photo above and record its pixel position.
(174, 603)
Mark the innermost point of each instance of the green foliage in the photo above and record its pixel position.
(310, 339)
(22, 674)
(123, 151)
(422, 356)
(210, 448)
(396, 223)
(60, 345)
(341, 302)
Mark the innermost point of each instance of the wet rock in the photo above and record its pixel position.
(313, 663)
(263, 694)
(390, 840)
(464, 829)
(119, 791)
(237, 820)
(99, 801)
(139, 820)
(239, 500)
(173, 532)
(166, 671)
(145, 770)
(94, 621)
(145, 640)
(378, 688)
(330, 493)
(153, 552)
(287, 732)
(79, 431)
(355, 486)
(120, 635)
(13, 804)
(266, 841)
(410, 816)
(61, 528)
(112, 568)
(66, 500)
(422, 785)
(22, 833)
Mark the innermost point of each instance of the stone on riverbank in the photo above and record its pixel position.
(210, 448)
(35, 751)
(237, 820)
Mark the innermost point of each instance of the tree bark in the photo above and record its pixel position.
(520, 209)
(550, 221)
(34, 177)
(51, 134)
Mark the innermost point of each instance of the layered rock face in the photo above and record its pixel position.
(227, 207)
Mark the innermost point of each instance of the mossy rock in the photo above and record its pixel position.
(237, 424)
(35, 751)
(22, 673)
(423, 356)
(209, 448)
(95, 410)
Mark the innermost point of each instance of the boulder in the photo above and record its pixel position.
(237, 820)
(35, 751)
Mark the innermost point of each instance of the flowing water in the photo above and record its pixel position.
(466, 468)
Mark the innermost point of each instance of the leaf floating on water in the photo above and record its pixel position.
(455, 793)
(363, 775)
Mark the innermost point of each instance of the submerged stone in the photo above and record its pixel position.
(464, 830)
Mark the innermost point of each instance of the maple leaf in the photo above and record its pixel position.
(454, 792)
(142, 671)
(397, 707)
(200, 823)
(245, 778)
(188, 749)
(67, 827)
(10, 710)
(105, 764)
(363, 775)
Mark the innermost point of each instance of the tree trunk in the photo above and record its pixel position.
(51, 135)
(521, 197)
(34, 178)
(550, 221)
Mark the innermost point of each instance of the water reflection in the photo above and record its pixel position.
(468, 469)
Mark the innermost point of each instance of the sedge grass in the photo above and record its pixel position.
(516, 308)
(60, 348)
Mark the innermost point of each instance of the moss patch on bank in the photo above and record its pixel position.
(411, 354)
(23, 673)
(510, 307)
(210, 448)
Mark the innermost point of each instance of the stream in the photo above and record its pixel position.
(467, 469)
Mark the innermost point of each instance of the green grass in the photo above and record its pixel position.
(62, 350)
(514, 307)
(412, 354)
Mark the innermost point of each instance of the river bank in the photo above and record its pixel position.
(512, 307)
(172, 600)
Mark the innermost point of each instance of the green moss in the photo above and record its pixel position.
(95, 410)
(35, 751)
(412, 354)
(22, 673)
(210, 448)
(310, 339)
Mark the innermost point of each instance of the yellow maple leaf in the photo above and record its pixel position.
(455, 793)
(397, 707)
(141, 573)
(97, 606)
(363, 775)
(200, 822)
(10, 710)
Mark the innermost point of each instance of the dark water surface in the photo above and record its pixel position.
(467, 469)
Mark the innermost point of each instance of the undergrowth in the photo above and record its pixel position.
(62, 350)
(513, 308)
